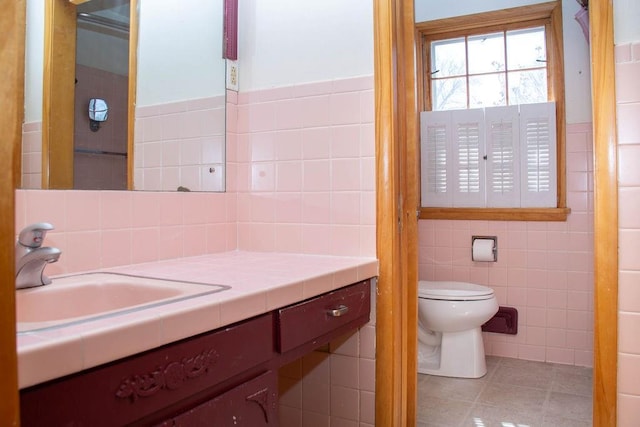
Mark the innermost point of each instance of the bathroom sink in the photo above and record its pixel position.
(82, 297)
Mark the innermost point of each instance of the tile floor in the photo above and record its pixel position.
(513, 393)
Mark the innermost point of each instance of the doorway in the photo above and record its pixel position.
(101, 74)
(76, 70)
(395, 129)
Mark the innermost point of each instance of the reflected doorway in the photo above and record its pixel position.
(88, 55)
(102, 72)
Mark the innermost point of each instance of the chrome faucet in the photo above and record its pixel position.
(32, 258)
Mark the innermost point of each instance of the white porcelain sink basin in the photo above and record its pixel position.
(82, 297)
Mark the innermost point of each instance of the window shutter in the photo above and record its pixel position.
(468, 152)
(503, 151)
(436, 159)
(520, 147)
(538, 155)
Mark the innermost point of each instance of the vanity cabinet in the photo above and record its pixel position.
(145, 387)
(305, 326)
(251, 404)
(226, 377)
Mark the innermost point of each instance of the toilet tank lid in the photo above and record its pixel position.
(428, 288)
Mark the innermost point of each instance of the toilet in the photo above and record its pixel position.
(450, 315)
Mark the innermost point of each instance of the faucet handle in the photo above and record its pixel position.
(32, 235)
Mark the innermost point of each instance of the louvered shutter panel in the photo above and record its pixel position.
(436, 159)
(468, 152)
(503, 151)
(538, 155)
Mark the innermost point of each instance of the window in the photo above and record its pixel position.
(491, 69)
(492, 98)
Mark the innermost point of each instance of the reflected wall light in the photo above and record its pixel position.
(98, 112)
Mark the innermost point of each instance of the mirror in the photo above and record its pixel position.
(176, 139)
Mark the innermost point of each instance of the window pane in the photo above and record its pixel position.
(526, 48)
(487, 91)
(527, 87)
(449, 94)
(486, 53)
(448, 58)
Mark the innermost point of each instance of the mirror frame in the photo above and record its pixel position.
(58, 99)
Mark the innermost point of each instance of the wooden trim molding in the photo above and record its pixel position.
(498, 18)
(605, 214)
(396, 144)
(409, 145)
(389, 383)
(497, 214)
(12, 22)
(132, 86)
(58, 90)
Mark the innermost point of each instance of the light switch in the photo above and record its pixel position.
(232, 75)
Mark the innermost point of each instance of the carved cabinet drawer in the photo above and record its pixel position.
(316, 321)
(144, 385)
(251, 404)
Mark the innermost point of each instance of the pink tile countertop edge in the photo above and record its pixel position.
(260, 282)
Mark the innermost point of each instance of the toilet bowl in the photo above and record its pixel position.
(450, 315)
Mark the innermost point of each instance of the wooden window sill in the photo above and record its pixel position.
(496, 214)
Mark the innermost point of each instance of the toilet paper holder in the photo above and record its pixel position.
(494, 247)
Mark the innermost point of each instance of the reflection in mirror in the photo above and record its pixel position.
(178, 93)
(180, 106)
(100, 148)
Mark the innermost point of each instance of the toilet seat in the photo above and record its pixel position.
(453, 291)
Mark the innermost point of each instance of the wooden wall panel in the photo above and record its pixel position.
(58, 91)
(12, 22)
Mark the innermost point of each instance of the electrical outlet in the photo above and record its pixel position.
(232, 75)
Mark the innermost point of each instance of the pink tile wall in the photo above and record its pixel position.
(32, 155)
(544, 269)
(628, 111)
(301, 161)
(99, 229)
(181, 144)
(304, 168)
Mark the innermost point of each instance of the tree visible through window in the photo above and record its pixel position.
(493, 69)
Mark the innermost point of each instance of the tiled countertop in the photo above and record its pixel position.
(260, 282)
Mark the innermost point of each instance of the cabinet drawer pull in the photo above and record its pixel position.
(337, 312)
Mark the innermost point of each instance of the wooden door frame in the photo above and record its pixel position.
(397, 209)
(12, 20)
(605, 341)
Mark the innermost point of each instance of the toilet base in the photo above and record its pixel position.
(459, 355)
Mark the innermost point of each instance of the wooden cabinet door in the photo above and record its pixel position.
(251, 404)
(135, 389)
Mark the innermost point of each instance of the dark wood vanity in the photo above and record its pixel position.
(225, 377)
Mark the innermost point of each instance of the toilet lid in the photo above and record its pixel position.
(453, 291)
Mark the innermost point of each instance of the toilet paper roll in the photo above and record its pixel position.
(483, 250)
